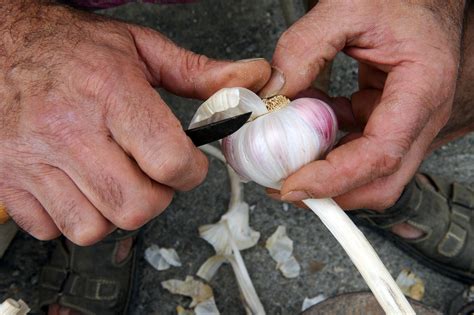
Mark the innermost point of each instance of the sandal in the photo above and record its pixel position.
(88, 279)
(444, 212)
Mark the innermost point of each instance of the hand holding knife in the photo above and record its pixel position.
(199, 136)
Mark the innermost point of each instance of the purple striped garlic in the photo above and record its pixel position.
(280, 137)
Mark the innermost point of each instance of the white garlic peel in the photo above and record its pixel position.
(273, 146)
(12, 307)
(226, 103)
(309, 302)
(195, 289)
(280, 247)
(230, 235)
(162, 258)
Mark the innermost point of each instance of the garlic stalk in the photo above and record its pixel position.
(230, 235)
(277, 143)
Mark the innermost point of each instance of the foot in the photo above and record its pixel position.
(434, 221)
(94, 279)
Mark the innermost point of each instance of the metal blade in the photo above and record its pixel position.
(217, 130)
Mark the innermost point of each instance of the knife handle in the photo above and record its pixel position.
(4, 217)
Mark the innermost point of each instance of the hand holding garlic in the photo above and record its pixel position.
(282, 138)
(408, 54)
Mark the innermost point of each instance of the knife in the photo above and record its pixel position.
(199, 136)
(217, 130)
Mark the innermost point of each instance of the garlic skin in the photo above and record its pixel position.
(275, 145)
(226, 103)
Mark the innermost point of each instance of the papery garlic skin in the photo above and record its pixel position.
(226, 103)
(275, 145)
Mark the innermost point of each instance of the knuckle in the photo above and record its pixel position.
(387, 197)
(141, 209)
(174, 167)
(86, 234)
(388, 163)
(132, 218)
(44, 234)
(192, 63)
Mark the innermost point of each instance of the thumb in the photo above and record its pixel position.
(187, 74)
(304, 49)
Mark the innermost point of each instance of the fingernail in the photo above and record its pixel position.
(251, 59)
(295, 196)
(274, 85)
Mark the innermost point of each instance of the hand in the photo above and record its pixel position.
(86, 143)
(408, 54)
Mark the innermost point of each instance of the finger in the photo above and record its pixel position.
(383, 192)
(305, 48)
(145, 127)
(29, 214)
(275, 195)
(392, 128)
(113, 183)
(73, 214)
(192, 75)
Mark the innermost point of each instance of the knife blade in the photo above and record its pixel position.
(217, 130)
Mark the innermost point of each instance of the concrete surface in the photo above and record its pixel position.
(237, 30)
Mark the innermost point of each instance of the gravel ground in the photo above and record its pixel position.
(237, 30)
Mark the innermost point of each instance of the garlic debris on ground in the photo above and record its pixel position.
(308, 302)
(279, 140)
(207, 307)
(198, 291)
(280, 247)
(162, 258)
(411, 285)
(228, 237)
(12, 307)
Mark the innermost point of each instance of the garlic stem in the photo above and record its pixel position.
(236, 186)
(276, 102)
(364, 257)
(243, 278)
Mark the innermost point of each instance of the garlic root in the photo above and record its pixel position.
(377, 277)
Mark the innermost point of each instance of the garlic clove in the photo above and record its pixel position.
(227, 103)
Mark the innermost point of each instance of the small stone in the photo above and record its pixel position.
(285, 206)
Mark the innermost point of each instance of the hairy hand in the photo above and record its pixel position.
(86, 143)
(408, 54)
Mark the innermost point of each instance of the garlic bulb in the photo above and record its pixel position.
(277, 143)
